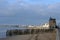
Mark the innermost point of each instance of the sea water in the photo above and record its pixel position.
(4, 29)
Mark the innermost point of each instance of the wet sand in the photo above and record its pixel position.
(40, 36)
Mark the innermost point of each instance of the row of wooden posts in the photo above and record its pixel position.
(26, 31)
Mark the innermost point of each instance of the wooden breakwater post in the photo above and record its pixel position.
(21, 32)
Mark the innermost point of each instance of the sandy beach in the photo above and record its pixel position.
(40, 36)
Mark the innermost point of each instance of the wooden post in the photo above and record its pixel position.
(23, 32)
(30, 31)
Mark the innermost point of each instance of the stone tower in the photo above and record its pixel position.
(52, 23)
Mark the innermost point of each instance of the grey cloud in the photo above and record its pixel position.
(28, 13)
(19, 5)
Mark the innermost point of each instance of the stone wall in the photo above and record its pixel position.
(26, 31)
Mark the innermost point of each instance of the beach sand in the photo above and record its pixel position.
(40, 36)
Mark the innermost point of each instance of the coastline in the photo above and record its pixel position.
(41, 36)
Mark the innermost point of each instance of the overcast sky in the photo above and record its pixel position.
(28, 11)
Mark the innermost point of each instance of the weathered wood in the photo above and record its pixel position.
(26, 31)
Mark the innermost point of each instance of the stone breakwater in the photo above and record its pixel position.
(27, 31)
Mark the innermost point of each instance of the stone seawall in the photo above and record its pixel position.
(26, 31)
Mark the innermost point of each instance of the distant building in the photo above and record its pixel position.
(52, 23)
(30, 26)
(45, 26)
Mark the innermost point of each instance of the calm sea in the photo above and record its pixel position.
(4, 29)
